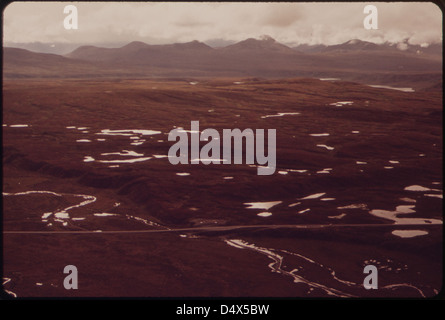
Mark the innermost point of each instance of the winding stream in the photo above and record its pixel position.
(277, 266)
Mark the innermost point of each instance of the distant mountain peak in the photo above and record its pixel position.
(264, 42)
(136, 45)
(195, 44)
(354, 41)
(263, 39)
(358, 42)
(355, 44)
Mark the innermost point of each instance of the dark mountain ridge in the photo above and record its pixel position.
(354, 60)
(359, 45)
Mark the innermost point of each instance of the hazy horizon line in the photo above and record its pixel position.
(52, 47)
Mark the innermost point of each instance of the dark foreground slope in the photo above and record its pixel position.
(65, 171)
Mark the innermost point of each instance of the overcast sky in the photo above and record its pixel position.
(158, 23)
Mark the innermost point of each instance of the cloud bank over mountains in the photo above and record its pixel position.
(221, 23)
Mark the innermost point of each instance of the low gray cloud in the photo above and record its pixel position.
(282, 16)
